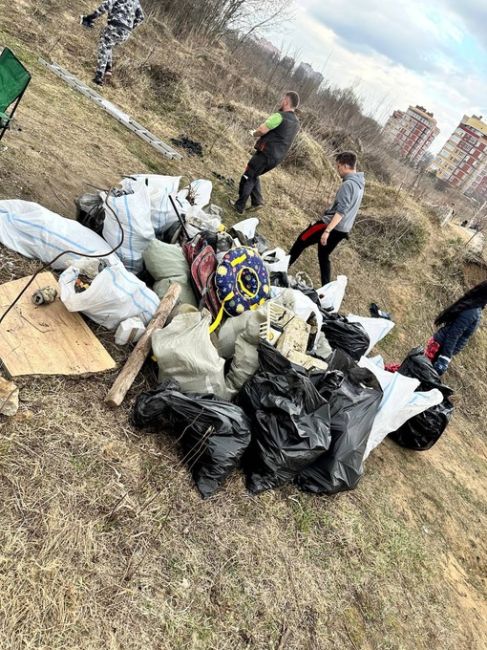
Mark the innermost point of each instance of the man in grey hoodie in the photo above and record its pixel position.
(338, 220)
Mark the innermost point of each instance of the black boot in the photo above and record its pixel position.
(98, 79)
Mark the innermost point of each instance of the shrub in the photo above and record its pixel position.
(389, 239)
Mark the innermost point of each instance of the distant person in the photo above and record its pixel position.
(275, 137)
(456, 325)
(123, 16)
(338, 220)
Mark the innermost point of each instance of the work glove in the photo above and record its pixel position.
(441, 364)
(87, 21)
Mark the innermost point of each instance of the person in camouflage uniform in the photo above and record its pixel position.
(123, 17)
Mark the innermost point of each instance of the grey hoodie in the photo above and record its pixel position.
(347, 201)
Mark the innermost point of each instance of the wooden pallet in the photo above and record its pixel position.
(113, 110)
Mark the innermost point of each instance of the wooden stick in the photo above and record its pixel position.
(139, 354)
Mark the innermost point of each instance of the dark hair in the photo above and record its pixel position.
(294, 97)
(346, 158)
(476, 297)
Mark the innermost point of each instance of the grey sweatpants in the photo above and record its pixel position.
(110, 37)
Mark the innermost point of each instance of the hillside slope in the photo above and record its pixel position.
(105, 543)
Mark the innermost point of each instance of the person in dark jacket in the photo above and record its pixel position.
(456, 325)
(275, 138)
(123, 16)
(337, 222)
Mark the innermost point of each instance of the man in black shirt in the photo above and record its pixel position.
(275, 137)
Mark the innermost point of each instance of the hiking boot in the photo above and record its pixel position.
(255, 208)
(108, 74)
(233, 205)
(98, 80)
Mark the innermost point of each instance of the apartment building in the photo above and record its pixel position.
(411, 132)
(462, 162)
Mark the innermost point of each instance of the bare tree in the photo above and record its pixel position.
(211, 19)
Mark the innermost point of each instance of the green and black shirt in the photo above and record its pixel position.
(284, 127)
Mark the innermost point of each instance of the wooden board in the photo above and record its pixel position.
(46, 340)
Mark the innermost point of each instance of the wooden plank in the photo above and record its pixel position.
(136, 360)
(46, 340)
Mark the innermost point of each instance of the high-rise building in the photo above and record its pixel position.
(411, 132)
(463, 160)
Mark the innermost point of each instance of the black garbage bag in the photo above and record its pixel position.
(172, 234)
(90, 212)
(418, 366)
(350, 337)
(279, 279)
(258, 241)
(214, 433)
(311, 293)
(422, 431)
(290, 421)
(354, 395)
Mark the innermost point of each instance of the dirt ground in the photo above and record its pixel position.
(104, 541)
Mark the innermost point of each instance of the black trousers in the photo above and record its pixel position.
(312, 236)
(249, 186)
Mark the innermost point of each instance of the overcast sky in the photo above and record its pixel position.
(398, 52)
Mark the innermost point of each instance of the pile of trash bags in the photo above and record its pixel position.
(423, 430)
(257, 369)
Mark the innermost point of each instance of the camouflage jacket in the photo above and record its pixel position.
(121, 12)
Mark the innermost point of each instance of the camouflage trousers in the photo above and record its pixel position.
(111, 36)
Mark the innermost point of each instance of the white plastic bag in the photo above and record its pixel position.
(160, 188)
(184, 352)
(399, 403)
(114, 295)
(134, 213)
(200, 195)
(129, 331)
(247, 227)
(38, 233)
(332, 294)
(197, 217)
(376, 328)
(378, 360)
(276, 260)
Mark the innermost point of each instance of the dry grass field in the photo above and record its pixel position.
(104, 542)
